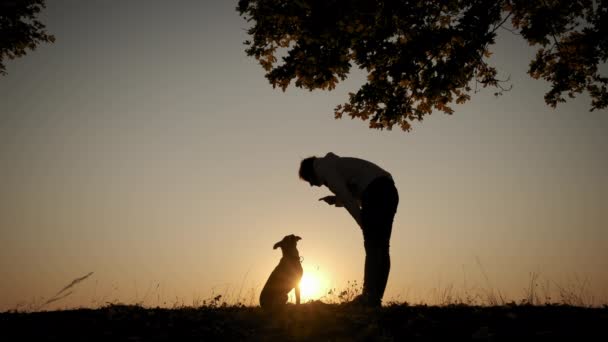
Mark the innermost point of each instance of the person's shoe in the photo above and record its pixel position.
(359, 300)
(363, 301)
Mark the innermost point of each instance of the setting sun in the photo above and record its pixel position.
(312, 286)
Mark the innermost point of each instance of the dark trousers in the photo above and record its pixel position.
(378, 207)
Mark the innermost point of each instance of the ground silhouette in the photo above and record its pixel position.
(310, 322)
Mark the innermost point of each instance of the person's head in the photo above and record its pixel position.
(307, 171)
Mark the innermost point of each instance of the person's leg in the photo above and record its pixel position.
(377, 267)
(384, 267)
(369, 272)
(378, 210)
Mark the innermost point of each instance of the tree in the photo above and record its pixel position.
(20, 29)
(422, 56)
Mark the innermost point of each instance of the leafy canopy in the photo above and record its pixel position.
(425, 55)
(20, 29)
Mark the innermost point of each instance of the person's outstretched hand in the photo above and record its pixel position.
(331, 200)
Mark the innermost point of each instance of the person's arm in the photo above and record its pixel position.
(326, 170)
(349, 203)
(344, 199)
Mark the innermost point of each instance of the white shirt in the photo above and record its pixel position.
(347, 178)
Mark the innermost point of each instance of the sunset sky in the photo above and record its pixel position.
(146, 147)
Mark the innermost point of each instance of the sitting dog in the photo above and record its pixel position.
(285, 277)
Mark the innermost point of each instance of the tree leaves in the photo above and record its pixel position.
(20, 29)
(423, 56)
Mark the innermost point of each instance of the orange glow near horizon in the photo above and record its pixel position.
(313, 286)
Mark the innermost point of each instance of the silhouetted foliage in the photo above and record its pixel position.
(425, 55)
(20, 29)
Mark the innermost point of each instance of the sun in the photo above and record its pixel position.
(312, 286)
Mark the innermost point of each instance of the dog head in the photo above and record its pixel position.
(288, 242)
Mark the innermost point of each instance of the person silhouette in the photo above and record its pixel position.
(369, 195)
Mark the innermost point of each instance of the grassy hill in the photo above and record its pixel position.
(309, 322)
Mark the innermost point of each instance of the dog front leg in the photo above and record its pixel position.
(298, 295)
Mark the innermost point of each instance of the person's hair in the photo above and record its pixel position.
(307, 171)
